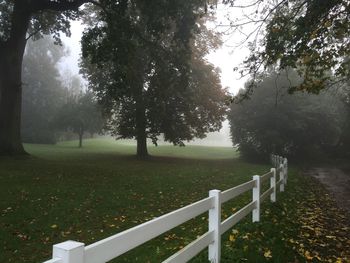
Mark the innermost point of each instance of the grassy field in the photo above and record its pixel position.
(102, 147)
(66, 193)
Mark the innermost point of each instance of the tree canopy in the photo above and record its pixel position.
(40, 17)
(311, 36)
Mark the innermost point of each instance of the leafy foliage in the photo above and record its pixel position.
(310, 36)
(298, 126)
(46, 17)
(138, 61)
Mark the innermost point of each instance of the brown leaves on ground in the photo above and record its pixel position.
(324, 234)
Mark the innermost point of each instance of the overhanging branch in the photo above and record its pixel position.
(59, 5)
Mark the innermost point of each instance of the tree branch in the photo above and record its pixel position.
(33, 33)
(59, 5)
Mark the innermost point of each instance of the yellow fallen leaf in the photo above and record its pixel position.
(54, 226)
(308, 255)
(232, 238)
(268, 254)
(246, 236)
(235, 231)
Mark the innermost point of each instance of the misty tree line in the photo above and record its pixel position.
(54, 107)
(145, 63)
(301, 125)
(300, 68)
(149, 75)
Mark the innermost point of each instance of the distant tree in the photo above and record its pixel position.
(298, 126)
(80, 115)
(43, 93)
(72, 83)
(146, 76)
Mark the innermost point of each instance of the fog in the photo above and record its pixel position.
(215, 139)
(229, 56)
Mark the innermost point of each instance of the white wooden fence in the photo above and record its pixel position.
(116, 245)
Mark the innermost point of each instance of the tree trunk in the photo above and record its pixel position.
(10, 105)
(141, 122)
(11, 57)
(141, 135)
(81, 134)
(138, 71)
(142, 151)
(80, 140)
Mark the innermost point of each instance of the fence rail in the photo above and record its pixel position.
(116, 245)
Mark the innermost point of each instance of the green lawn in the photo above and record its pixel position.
(113, 148)
(65, 193)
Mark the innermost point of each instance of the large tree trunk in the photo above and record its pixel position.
(10, 105)
(141, 131)
(11, 57)
(141, 122)
(137, 81)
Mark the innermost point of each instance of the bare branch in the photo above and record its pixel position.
(247, 6)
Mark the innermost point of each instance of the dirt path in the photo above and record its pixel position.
(336, 182)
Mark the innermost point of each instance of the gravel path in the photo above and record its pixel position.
(336, 182)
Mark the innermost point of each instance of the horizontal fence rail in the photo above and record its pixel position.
(116, 245)
(236, 191)
(236, 217)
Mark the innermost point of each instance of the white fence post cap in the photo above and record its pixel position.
(69, 245)
(69, 251)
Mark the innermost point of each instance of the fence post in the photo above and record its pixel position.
(273, 185)
(69, 252)
(271, 158)
(276, 161)
(285, 171)
(281, 172)
(256, 198)
(214, 225)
